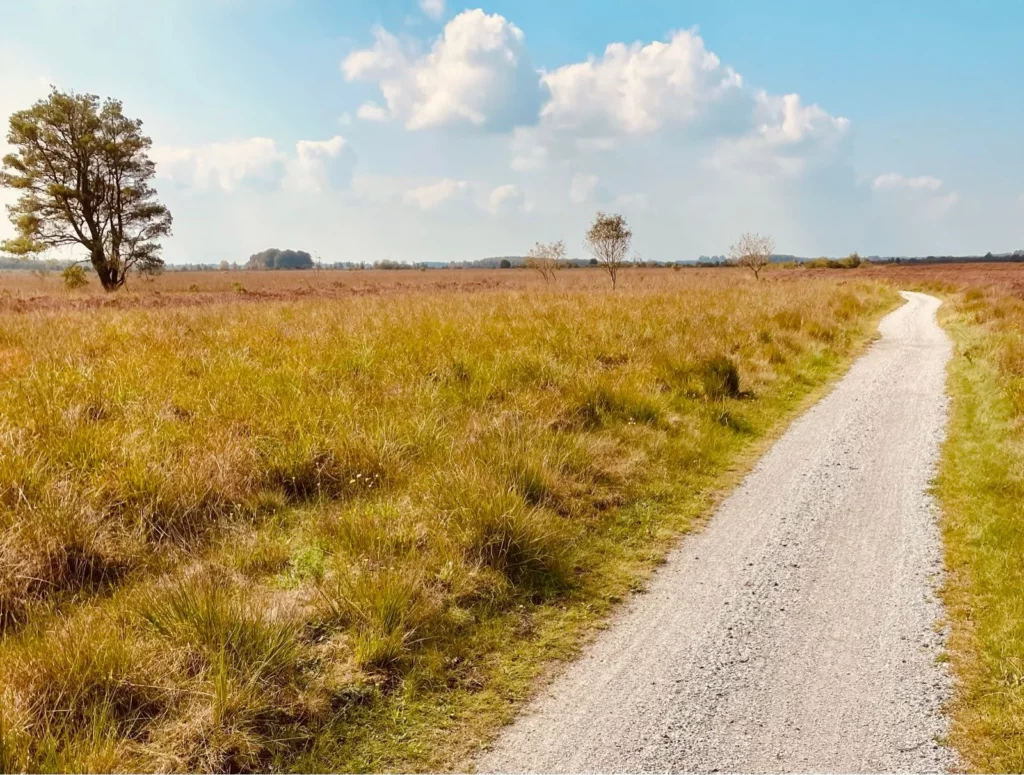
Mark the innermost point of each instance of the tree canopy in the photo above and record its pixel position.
(753, 251)
(546, 259)
(609, 239)
(83, 171)
(272, 258)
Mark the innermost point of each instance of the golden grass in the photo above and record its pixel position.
(328, 534)
(34, 290)
(981, 488)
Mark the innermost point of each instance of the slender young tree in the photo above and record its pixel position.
(608, 240)
(546, 259)
(753, 252)
(83, 171)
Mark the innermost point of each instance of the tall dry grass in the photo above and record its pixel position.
(329, 534)
(981, 488)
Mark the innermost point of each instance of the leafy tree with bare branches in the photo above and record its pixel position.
(83, 171)
(546, 259)
(753, 251)
(608, 240)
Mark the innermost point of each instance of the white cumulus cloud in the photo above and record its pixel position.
(787, 121)
(256, 162)
(681, 92)
(582, 188)
(641, 88)
(477, 73)
(226, 165)
(433, 195)
(923, 197)
(504, 199)
(892, 180)
(319, 165)
(432, 8)
(787, 138)
(371, 111)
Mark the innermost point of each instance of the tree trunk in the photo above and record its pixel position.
(107, 279)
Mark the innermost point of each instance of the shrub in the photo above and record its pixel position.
(74, 277)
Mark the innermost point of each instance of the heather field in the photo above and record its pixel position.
(343, 521)
(411, 387)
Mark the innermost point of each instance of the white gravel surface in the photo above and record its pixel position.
(799, 630)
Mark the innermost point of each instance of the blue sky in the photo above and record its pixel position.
(427, 130)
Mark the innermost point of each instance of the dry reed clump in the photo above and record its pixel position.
(57, 547)
(79, 695)
(241, 533)
(710, 378)
(387, 610)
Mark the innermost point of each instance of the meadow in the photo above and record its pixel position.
(347, 522)
(28, 291)
(981, 491)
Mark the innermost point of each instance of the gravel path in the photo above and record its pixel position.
(798, 631)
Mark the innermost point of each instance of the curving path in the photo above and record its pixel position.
(798, 631)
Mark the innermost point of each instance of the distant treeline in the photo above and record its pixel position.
(821, 261)
(1015, 256)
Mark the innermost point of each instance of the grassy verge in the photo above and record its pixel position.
(981, 488)
(322, 536)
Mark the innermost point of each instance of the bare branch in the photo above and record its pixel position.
(752, 251)
(546, 259)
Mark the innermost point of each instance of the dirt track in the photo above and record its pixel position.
(798, 630)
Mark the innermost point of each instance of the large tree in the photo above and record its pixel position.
(83, 171)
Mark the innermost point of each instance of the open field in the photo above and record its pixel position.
(1005, 279)
(349, 533)
(24, 291)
